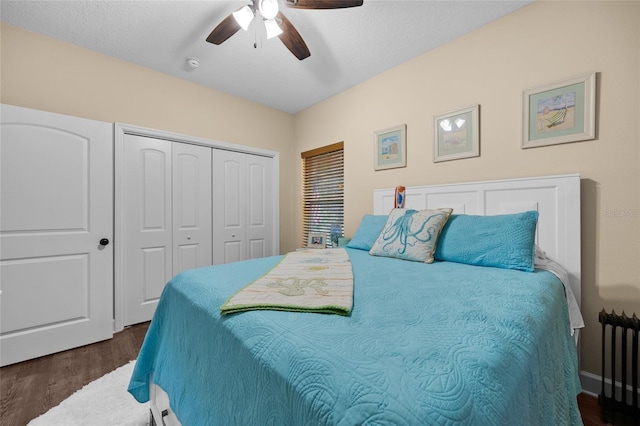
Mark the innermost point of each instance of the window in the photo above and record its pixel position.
(323, 192)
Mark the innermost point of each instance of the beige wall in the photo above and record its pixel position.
(541, 43)
(46, 74)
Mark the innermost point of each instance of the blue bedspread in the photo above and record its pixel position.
(426, 344)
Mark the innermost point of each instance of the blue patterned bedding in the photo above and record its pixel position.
(426, 344)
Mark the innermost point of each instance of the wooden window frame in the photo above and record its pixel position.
(319, 213)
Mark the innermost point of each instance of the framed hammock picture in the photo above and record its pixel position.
(560, 113)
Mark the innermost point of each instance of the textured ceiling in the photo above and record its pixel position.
(347, 46)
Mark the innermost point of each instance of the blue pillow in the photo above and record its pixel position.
(368, 231)
(502, 241)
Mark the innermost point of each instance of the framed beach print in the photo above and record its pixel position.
(560, 112)
(457, 134)
(390, 148)
(316, 240)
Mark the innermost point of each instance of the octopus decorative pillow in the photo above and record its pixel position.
(411, 234)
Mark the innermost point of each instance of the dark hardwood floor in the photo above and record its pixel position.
(592, 415)
(29, 389)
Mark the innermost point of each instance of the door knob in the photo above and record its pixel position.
(104, 242)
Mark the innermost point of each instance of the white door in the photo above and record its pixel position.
(56, 205)
(166, 218)
(243, 205)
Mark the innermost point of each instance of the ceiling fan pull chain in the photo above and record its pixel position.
(255, 40)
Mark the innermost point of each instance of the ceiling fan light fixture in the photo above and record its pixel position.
(273, 29)
(268, 9)
(244, 17)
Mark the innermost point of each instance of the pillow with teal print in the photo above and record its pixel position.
(502, 241)
(368, 231)
(411, 234)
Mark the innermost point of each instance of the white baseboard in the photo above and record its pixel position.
(592, 384)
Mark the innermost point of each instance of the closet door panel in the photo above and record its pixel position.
(233, 251)
(257, 249)
(229, 204)
(191, 168)
(147, 226)
(259, 228)
(153, 275)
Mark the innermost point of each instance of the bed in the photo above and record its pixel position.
(436, 343)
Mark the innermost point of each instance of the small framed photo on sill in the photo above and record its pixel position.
(316, 240)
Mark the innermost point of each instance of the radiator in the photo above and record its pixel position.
(623, 337)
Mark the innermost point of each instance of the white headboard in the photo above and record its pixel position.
(556, 198)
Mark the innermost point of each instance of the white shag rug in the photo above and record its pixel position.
(103, 402)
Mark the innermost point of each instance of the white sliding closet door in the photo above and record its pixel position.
(242, 206)
(260, 199)
(56, 226)
(191, 170)
(147, 244)
(183, 203)
(229, 208)
(167, 218)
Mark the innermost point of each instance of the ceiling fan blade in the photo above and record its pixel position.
(323, 4)
(291, 38)
(225, 29)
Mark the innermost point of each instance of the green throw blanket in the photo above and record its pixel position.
(311, 280)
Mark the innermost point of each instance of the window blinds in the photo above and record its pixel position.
(323, 191)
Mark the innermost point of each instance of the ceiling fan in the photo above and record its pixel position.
(276, 24)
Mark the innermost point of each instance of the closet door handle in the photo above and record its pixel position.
(104, 242)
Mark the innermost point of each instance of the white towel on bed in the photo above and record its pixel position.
(541, 261)
(319, 281)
